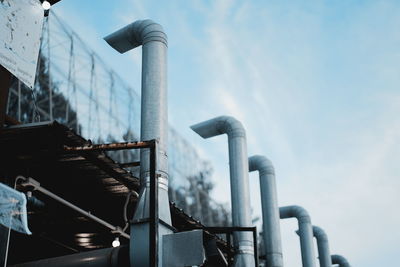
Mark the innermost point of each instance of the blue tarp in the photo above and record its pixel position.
(13, 212)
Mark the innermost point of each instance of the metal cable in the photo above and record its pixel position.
(128, 196)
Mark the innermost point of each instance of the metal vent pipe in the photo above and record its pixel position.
(270, 210)
(239, 176)
(340, 260)
(154, 122)
(324, 254)
(154, 109)
(305, 232)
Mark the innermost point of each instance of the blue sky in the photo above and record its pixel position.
(316, 84)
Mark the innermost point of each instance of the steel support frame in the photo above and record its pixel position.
(154, 219)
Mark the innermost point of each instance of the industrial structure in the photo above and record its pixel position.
(114, 186)
(78, 78)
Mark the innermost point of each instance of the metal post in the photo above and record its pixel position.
(154, 219)
(19, 100)
(5, 78)
(48, 71)
(71, 53)
(228, 239)
(255, 246)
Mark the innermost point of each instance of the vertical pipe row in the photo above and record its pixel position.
(154, 125)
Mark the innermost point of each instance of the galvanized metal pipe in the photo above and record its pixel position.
(305, 232)
(238, 166)
(154, 125)
(340, 260)
(324, 254)
(154, 106)
(270, 210)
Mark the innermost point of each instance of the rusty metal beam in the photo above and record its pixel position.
(109, 147)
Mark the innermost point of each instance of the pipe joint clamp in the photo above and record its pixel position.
(162, 182)
(245, 249)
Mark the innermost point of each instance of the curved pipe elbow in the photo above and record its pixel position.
(136, 34)
(342, 261)
(294, 211)
(261, 164)
(319, 233)
(220, 125)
